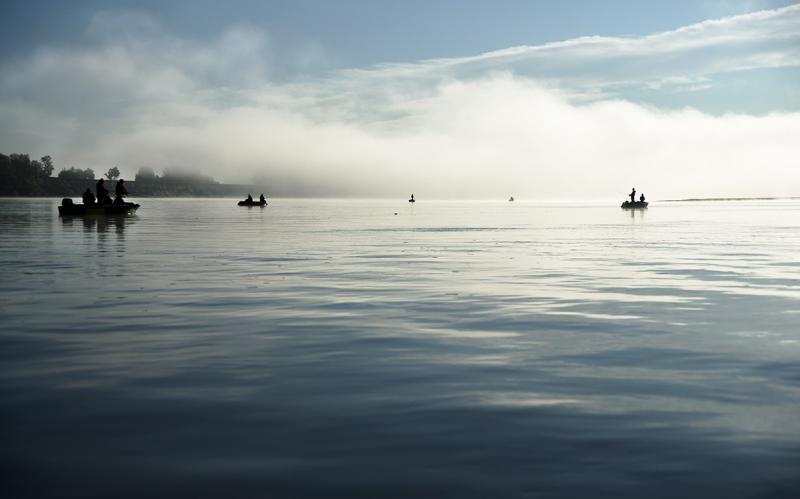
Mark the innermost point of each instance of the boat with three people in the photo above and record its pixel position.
(101, 204)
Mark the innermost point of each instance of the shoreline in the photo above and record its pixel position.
(775, 198)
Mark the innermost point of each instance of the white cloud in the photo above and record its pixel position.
(536, 122)
(764, 39)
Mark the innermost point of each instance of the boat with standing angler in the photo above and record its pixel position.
(68, 207)
(633, 204)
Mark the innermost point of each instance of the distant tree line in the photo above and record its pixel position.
(76, 174)
(175, 176)
(178, 182)
(22, 176)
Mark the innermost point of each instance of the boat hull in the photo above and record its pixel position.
(97, 209)
(254, 203)
(638, 205)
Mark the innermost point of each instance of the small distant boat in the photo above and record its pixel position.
(636, 205)
(253, 202)
(511, 199)
(412, 199)
(69, 208)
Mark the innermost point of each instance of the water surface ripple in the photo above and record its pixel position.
(380, 349)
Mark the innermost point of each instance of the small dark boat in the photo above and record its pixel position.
(412, 199)
(627, 205)
(69, 208)
(253, 203)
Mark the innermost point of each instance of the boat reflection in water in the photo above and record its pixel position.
(100, 223)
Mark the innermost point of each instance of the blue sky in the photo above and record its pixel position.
(470, 98)
(359, 33)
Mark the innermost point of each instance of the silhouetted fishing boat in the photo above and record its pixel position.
(627, 205)
(253, 203)
(69, 208)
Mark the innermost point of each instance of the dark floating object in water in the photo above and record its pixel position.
(511, 198)
(249, 201)
(253, 203)
(69, 208)
(412, 199)
(627, 205)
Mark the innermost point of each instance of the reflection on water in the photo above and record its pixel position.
(637, 213)
(99, 223)
(106, 232)
(454, 349)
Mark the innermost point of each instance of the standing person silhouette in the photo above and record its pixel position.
(120, 191)
(633, 195)
(102, 193)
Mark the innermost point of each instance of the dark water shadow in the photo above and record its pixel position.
(100, 443)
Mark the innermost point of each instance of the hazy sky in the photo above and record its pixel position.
(568, 99)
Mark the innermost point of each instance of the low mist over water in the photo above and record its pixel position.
(320, 348)
(549, 100)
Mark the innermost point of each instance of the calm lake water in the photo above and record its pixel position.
(380, 349)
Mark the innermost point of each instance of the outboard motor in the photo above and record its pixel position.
(66, 202)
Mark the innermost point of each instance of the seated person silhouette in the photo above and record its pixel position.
(88, 197)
